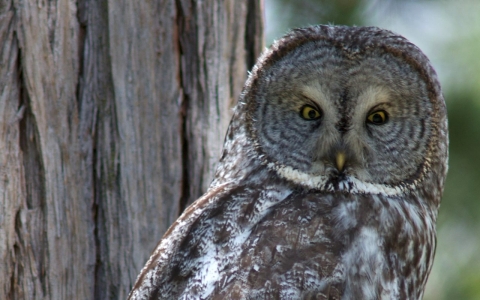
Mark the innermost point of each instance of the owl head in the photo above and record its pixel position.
(353, 109)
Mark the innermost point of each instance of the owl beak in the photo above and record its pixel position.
(340, 160)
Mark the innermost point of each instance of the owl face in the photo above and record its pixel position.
(338, 114)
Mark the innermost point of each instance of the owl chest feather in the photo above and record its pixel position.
(280, 243)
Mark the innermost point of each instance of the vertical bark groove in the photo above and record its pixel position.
(184, 103)
(35, 187)
(254, 40)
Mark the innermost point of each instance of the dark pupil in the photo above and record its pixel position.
(377, 118)
(312, 114)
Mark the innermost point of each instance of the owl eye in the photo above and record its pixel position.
(310, 113)
(378, 117)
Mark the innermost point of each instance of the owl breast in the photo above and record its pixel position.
(333, 246)
(285, 244)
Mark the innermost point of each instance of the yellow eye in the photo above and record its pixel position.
(310, 113)
(378, 117)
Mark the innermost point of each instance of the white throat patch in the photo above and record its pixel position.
(350, 184)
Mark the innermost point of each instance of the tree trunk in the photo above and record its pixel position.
(112, 119)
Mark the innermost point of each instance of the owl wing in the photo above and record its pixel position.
(161, 277)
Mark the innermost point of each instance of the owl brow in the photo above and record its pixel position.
(380, 105)
(310, 101)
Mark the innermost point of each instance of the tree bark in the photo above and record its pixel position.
(112, 117)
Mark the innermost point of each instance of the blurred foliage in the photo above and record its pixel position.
(461, 198)
(308, 12)
(448, 31)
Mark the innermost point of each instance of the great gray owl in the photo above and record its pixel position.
(329, 183)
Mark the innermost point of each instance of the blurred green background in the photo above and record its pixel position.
(448, 31)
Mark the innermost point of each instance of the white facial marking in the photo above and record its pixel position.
(350, 184)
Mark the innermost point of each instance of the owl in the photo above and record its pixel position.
(329, 183)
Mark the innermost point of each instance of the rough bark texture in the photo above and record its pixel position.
(112, 117)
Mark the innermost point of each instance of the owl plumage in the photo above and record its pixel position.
(329, 183)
